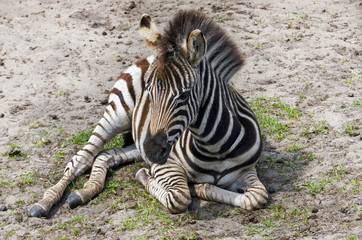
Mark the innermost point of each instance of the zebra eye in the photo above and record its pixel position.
(183, 96)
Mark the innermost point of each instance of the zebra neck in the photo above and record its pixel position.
(216, 129)
(224, 60)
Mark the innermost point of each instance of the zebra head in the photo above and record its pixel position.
(170, 84)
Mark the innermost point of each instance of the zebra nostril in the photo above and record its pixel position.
(240, 190)
(165, 150)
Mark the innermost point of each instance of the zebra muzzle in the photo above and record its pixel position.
(157, 148)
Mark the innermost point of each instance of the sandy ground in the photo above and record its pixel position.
(58, 59)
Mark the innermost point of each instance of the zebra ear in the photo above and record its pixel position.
(195, 47)
(149, 31)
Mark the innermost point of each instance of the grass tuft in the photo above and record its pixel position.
(28, 178)
(314, 128)
(272, 113)
(294, 147)
(350, 129)
(15, 151)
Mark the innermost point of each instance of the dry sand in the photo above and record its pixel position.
(58, 59)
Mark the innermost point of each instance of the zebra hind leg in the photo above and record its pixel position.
(253, 197)
(105, 160)
(168, 184)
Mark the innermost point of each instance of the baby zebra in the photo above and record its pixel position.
(198, 135)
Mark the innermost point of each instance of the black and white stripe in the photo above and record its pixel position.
(187, 122)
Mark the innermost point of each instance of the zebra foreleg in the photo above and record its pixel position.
(168, 185)
(105, 160)
(78, 165)
(253, 197)
(106, 129)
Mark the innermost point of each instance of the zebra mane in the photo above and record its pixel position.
(222, 53)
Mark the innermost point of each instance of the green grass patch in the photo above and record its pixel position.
(150, 210)
(77, 183)
(351, 128)
(115, 142)
(357, 103)
(20, 201)
(15, 151)
(75, 232)
(60, 92)
(294, 162)
(334, 176)
(40, 143)
(294, 147)
(70, 226)
(27, 178)
(270, 162)
(35, 124)
(314, 128)
(317, 187)
(272, 113)
(260, 21)
(11, 231)
(5, 183)
(288, 163)
(305, 157)
(76, 219)
(351, 237)
(302, 96)
(338, 171)
(81, 138)
(356, 185)
(267, 162)
(111, 188)
(278, 211)
(279, 214)
(256, 230)
(258, 45)
(58, 157)
(290, 39)
(61, 238)
(129, 223)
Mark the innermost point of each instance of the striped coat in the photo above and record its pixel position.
(196, 132)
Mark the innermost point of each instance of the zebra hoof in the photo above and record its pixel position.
(74, 200)
(37, 211)
(135, 173)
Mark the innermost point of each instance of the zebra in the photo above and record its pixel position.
(198, 135)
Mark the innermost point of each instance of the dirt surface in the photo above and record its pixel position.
(58, 59)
